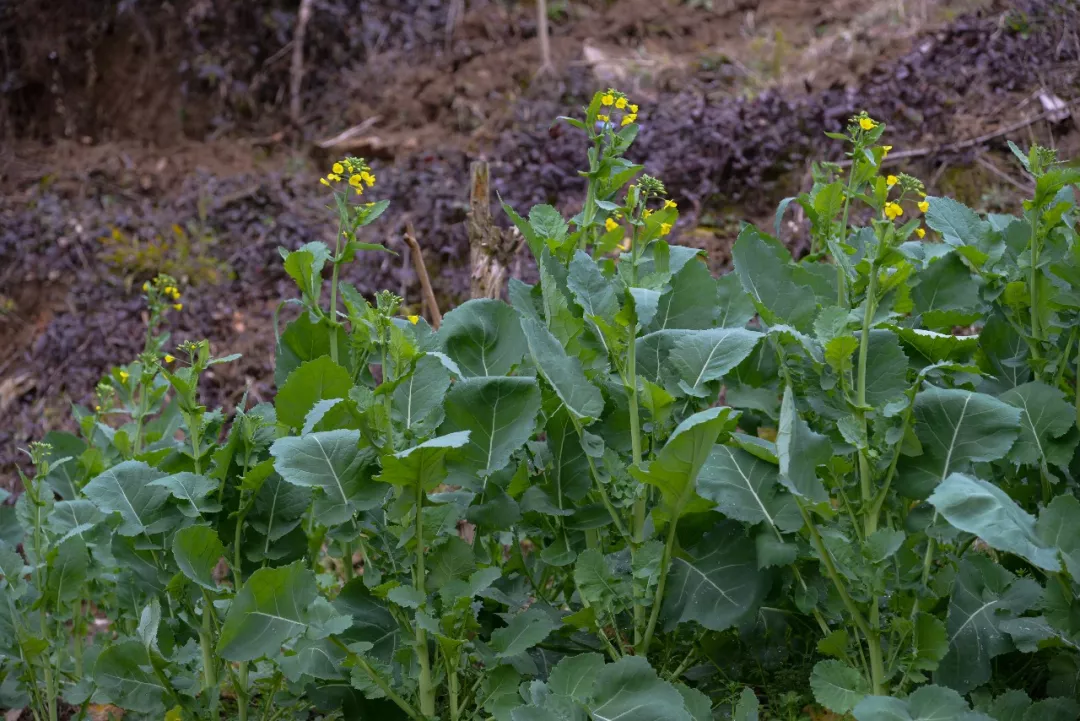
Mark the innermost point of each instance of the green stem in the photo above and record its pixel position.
(665, 561)
(208, 661)
(268, 702)
(841, 278)
(333, 292)
(379, 681)
(1036, 330)
(78, 633)
(427, 689)
(238, 584)
(136, 444)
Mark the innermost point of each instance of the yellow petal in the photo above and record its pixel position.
(178, 306)
(670, 204)
(891, 180)
(169, 358)
(414, 319)
(920, 232)
(924, 206)
(607, 99)
(620, 103)
(338, 169)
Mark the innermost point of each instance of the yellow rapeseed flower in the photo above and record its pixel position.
(325, 182)
(607, 99)
(610, 224)
(924, 206)
(355, 180)
(620, 103)
(646, 213)
(603, 118)
(665, 228)
(920, 232)
(893, 211)
(891, 180)
(867, 124)
(124, 375)
(368, 178)
(178, 306)
(414, 319)
(334, 177)
(338, 169)
(97, 409)
(633, 109)
(670, 204)
(885, 151)
(627, 119)
(146, 287)
(169, 358)
(625, 245)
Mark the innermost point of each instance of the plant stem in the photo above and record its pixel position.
(1036, 330)
(268, 703)
(238, 584)
(333, 291)
(379, 681)
(426, 690)
(841, 279)
(665, 561)
(209, 671)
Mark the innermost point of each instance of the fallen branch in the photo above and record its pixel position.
(346, 135)
(965, 144)
(297, 74)
(425, 280)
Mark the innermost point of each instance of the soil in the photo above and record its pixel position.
(120, 122)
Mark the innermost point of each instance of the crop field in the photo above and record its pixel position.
(570, 361)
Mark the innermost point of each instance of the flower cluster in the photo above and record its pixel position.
(355, 171)
(617, 100)
(908, 184)
(162, 291)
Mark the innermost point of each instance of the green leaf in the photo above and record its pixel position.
(192, 489)
(935, 347)
(499, 413)
(597, 581)
(372, 621)
(746, 488)
(320, 659)
(675, 469)
(313, 381)
(500, 692)
(837, 686)
(645, 303)
(800, 451)
(945, 285)
(593, 292)
(978, 507)
(270, 609)
(123, 675)
(420, 394)
(886, 369)
(1059, 527)
(73, 518)
(562, 372)
(197, 550)
(927, 703)
(575, 676)
(984, 596)
(332, 461)
(422, 464)
(524, 631)
(630, 690)
(1046, 417)
(452, 561)
(959, 225)
(483, 336)
(777, 288)
(956, 427)
(548, 224)
(67, 572)
(699, 357)
(1003, 354)
(736, 309)
(691, 301)
(126, 489)
(717, 582)
(747, 708)
(305, 340)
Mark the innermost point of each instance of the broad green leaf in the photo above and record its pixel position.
(1059, 527)
(197, 550)
(311, 382)
(1004, 355)
(305, 340)
(423, 464)
(593, 292)
(645, 302)
(959, 225)
(675, 469)
(372, 622)
(699, 357)
(548, 224)
(332, 461)
(64, 478)
(123, 675)
(630, 690)
(67, 572)
(1053, 709)
(483, 336)
(524, 631)
(598, 583)
(575, 676)
(956, 427)
(736, 309)
(192, 490)
(500, 692)
(800, 451)
(499, 413)
(279, 506)
(934, 347)
(126, 489)
(746, 488)
(569, 474)
(420, 394)
(321, 659)
(73, 518)
(562, 372)
(886, 369)
(452, 561)
(978, 507)
(837, 686)
(1010, 706)
(716, 582)
(927, 703)
(930, 641)
(270, 609)
(1046, 418)
(984, 596)
(945, 285)
(747, 708)
(778, 288)
(691, 301)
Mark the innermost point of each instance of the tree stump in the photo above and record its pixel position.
(491, 249)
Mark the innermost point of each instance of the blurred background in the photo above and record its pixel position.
(139, 136)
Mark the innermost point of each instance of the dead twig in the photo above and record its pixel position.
(988, 165)
(425, 279)
(346, 135)
(545, 43)
(965, 144)
(297, 74)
